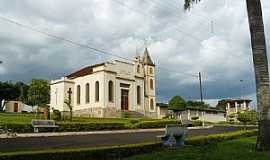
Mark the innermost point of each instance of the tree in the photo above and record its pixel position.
(260, 62)
(247, 117)
(222, 104)
(23, 90)
(177, 104)
(70, 107)
(38, 92)
(8, 92)
(197, 104)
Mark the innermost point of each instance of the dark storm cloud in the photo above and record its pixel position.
(182, 42)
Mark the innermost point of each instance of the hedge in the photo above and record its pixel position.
(66, 126)
(18, 127)
(103, 153)
(76, 126)
(203, 140)
(88, 126)
(117, 152)
(155, 124)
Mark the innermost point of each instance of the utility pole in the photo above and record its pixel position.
(201, 92)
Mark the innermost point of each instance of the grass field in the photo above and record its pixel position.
(18, 118)
(26, 118)
(241, 149)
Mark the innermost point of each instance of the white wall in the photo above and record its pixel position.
(115, 71)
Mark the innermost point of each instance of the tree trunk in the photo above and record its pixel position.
(70, 114)
(261, 72)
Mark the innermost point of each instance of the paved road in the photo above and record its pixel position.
(98, 140)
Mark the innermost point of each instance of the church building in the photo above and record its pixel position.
(108, 89)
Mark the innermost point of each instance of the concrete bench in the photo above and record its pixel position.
(173, 132)
(38, 123)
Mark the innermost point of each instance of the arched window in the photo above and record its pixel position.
(138, 95)
(151, 84)
(97, 91)
(78, 94)
(152, 104)
(110, 91)
(151, 70)
(87, 93)
(138, 69)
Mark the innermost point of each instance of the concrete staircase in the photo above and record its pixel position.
(132, 114)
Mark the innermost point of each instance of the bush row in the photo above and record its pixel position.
(66, 127)
(203, 140)
(88, 126)
(17, 127)
(119, 151)
(155, 124)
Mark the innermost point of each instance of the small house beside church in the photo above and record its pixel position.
(108, 89)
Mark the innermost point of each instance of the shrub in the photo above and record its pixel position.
(18, 127)
(85, 154)
(133, 121)
(56, 115)
(203, 140)
(248, 117)
(125, 115)
(117, 152)
(155, 124)
(194, 118)
(197, 123)
(88, 126)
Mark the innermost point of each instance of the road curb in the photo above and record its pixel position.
(59, 134)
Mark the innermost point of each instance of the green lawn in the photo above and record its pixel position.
(21, 123)
(17, 118)
(26, 118)
(241, 149)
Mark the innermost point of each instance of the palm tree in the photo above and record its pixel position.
(260, 68)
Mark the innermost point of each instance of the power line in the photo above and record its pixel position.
(77, 43)
(171, 9)
(61, 38)
(175, 27)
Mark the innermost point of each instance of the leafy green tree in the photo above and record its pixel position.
(244, 117)
(260, 62)
(197, 104)
(8, 92)
(177, 104)
(38, 92)
(221, 105)
(247, 117)
(23, 91)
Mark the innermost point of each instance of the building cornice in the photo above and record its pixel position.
(127, 79)
(62, 81)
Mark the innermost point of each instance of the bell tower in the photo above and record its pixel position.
(149, 83)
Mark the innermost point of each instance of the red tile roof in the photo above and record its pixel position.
(84, 71)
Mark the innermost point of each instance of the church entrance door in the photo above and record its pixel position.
(16, 107)
(124, 99)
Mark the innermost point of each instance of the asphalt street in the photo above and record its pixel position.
(95, 140)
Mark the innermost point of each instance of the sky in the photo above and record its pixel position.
(212, 38)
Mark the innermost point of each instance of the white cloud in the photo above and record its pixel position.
(179, 41)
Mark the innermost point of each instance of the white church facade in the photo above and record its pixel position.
(108, 89)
